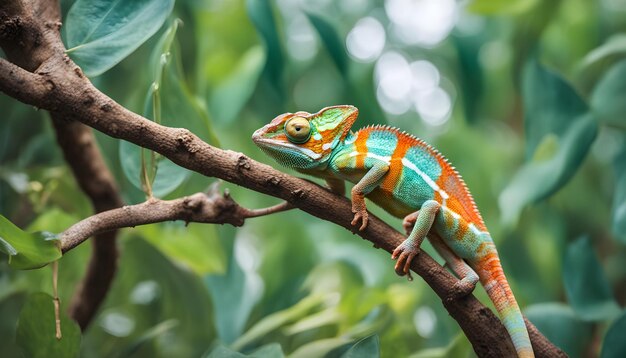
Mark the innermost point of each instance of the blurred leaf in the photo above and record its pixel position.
(147, 336)
(559, 323)
(331, 40)
(36, 329)
(234, 294)
(272, 350)
(260, 12)
(149, 290)
(501, 6)
(600, 58)
(619, 198)
(319, 348)
(458, 347)
(614, 345)
(230, 96)
(539, 179)
(326, 317)
(550, 104)
(101, 33)
(276, 320)
(608, 98)
(366, 347)
(587, 289)
(27, 250)
(169, 176)
(471, 80)
(194, 246)
(558, 135)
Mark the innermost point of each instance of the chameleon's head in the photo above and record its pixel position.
(303, 140)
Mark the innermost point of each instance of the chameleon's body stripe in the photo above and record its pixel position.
(415, 175)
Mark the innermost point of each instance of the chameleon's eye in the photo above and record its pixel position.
(298, 130)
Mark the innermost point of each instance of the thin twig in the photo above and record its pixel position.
(57, 301)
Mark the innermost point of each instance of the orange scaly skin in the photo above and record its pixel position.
(409, 179)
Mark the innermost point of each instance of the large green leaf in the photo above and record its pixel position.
(540, 177)
(608, 101)
(230, 96)
(366, 347)
(586, 286)
(331, 40)
(234, 294)
(559, 134)
(614, 345)
(561, 326)
(194, 246)
(36, 330)
(260, 12)
(101, 33)
(27, 250)
(550, 104)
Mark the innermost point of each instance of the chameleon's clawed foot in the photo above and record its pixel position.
(405, 253)
(360, 216)
(461, 288)
(409, 222)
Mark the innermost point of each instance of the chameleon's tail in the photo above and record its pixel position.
(493, 280)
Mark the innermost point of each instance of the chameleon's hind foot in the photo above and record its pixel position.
(405, 253)
(409, 222)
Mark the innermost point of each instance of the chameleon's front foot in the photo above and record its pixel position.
(405, 253)
(360, 214)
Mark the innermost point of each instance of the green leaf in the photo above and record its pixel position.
(260, 13)
(559, 134)
(601, 58)
(538, 179)
(501, 6)
(158, 175)
(366, 347)
(234, 294)
(101, 33)
(36, 330)
(230, 96)
(272, 350)
(550, 104)
(619, 199)
(276, 320)
(608, 98)
(147, 336)
(195, 246)
(614, 345)
(320, 347)
(27, 250)
(458, 347)
(586, 286)
(559, 323)
(331, 40)
(169, 176)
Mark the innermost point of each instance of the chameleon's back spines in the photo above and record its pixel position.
(467, 202)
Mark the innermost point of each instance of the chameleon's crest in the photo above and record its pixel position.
(303, 140)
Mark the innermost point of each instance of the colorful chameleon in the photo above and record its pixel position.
(409, 179)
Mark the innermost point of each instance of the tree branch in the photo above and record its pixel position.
(200, 208)
(96, 181)
(61, 87)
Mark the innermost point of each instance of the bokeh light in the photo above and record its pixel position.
(366, 40)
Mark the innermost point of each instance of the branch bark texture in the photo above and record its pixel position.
(58, 85)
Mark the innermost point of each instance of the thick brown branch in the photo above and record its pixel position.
(94, 178)
(199, 207)
(69, 93)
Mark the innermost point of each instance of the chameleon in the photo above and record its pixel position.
(408, 178)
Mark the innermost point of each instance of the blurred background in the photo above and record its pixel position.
(525, 97)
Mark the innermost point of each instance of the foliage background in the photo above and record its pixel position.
(525, 97)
